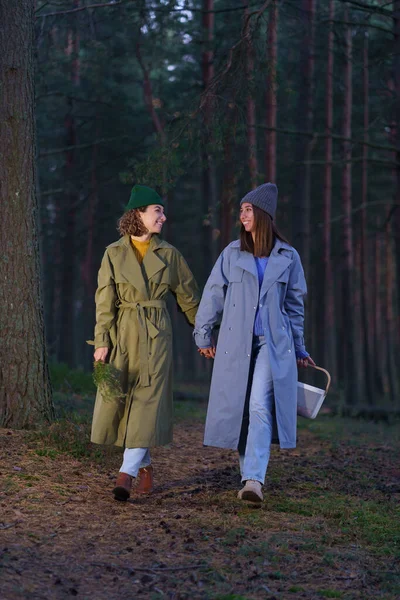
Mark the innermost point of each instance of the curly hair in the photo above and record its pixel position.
(131, 223)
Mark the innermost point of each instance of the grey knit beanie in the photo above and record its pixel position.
(265, 197)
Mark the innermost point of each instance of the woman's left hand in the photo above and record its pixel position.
(304, 362)
(207, 352)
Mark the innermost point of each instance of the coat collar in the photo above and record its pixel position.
(152, 263)
(246, 261)
(139, 275)
(279, 260)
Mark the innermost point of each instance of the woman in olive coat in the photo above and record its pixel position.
(255, 292)
(133, 333)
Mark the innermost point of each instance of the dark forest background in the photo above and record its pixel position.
(205, 99)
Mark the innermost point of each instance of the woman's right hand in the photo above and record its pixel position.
(100, 354)
(207, 352)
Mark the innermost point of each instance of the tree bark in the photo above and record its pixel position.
(351, 374)
(301, 193)
(396, 78)
(250, 105)
(68, 215)
(329, 342)
(25, 392)
(209, 174)
(229, 182)
(391, 332)
(367, 320)
(271, 96)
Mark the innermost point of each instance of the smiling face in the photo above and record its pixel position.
(247, 217)
(153, 218)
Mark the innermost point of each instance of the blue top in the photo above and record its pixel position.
(261, 264)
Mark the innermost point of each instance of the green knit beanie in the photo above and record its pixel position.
(142, 195)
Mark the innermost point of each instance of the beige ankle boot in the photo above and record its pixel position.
(251, 491)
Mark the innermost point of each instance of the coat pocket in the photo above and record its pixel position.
(283, 277)
(236, 275)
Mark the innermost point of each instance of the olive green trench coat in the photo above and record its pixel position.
(133, 322)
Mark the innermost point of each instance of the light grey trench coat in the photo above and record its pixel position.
(230, 297)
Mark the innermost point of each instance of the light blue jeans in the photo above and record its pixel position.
(135, 459)
(254, 450)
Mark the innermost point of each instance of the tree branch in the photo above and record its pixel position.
(395, 206)
(243, 38)
(362, 25)
(156, 10)
(334, 136)
(368, 8)
(75, 10)
(81, 146)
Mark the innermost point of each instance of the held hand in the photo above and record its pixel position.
(100, 354)
(207, 352)
(304, 362)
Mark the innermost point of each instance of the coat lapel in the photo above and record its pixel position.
(152, 263)
(278, 263)
(246, 261)
(130, 269)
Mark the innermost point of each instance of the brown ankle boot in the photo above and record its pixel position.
(145, 485)
(123, 485)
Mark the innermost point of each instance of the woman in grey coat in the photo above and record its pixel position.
(256, 294)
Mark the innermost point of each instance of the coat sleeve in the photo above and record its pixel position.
(212, 303)
(106, 310)
(185, 289)
(294, 305)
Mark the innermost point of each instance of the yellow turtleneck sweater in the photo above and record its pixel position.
(140, 249)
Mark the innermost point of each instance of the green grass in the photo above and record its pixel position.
(377, 525)
(72, 381)
(351, 431)
(69, 436)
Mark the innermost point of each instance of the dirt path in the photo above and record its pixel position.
(326, 528)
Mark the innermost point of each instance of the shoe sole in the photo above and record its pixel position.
(120, 493)
(250, 496)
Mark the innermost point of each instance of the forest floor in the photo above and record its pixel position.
(329, 526)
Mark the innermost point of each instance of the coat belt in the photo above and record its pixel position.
(147, 330)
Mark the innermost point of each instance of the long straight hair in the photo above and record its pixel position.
(266, 233)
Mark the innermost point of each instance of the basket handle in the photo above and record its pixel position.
(326, 373)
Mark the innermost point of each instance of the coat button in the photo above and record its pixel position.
(227, 352)
(283, 328)
(248, 355)
(289, 350)
(230, 328)
(260, 305)
(255, 307)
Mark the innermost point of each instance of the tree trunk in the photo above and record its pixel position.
(68, 225)
(351, 375)
(229, 183)
(209, 173)
(367, 320)
(396, 78)
(381, 378)
(301, 193)
(272, 87)
(250, 105)
(25, 392)
(329, 338)
(391, 333)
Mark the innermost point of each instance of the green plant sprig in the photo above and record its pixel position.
(107, 380)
